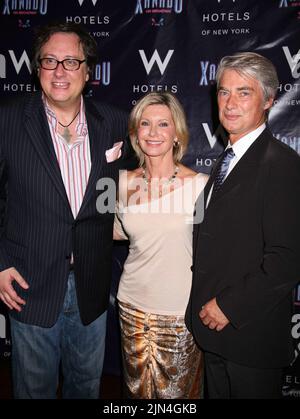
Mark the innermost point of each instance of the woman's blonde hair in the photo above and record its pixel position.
(178, 116)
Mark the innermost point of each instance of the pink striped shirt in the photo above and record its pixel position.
(74, 159)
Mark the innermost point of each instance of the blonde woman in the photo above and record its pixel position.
(155, 212)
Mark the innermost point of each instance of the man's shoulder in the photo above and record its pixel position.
(19, 104)
(282, 160)
(280, 152)
(11, 101)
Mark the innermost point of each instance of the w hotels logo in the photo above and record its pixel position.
(17, 64)
(82, 1)
(284, 3)
(162, 65)
(25, 7)
(293, 61)
(212, 137)
(288, 3)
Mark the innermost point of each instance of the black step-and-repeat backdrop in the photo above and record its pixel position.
(175, 45)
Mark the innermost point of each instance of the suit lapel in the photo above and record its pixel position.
(98, 135)
(245, 166)
(37, 127)
(206, 193)
(212, 178)
(253, 157)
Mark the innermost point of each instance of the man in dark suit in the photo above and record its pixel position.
(56, 246)
(247, 248)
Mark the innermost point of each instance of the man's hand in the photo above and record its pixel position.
(212, 316)
(7, 294)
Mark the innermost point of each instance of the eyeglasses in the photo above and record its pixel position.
(70, 64)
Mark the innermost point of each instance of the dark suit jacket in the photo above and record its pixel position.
(38, 231)
(247, 255)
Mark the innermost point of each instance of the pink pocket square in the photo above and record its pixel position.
(114, 153)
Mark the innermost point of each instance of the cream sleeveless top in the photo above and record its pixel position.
(157, 272)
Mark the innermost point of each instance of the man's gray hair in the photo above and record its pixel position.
(252, 65)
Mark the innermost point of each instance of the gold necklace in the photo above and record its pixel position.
(167, 182)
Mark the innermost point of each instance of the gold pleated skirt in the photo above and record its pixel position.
(160, 357)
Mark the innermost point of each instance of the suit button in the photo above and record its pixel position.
(192, 268)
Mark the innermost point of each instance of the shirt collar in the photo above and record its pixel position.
(241, 146)
(81, 128)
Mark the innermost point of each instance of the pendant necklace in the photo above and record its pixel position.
(66, 134)
(167, 182)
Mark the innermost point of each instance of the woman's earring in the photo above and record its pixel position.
(176, 144)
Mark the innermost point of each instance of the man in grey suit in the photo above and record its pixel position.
(247, 249)
(55, 247)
